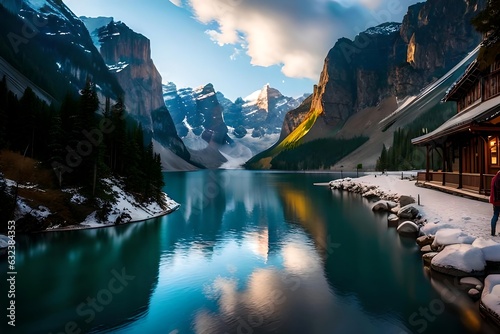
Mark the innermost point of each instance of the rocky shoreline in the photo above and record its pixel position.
(83, 226)
(474, 263)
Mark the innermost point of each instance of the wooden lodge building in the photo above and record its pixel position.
(469, 142)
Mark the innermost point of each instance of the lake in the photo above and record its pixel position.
(247, 252)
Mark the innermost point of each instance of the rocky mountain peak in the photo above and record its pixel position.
(267, 94)
(204, 92)
(128, 55)
(389, 62)
(119, 43)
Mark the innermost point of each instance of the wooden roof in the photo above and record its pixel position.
(482, 118)
(464, 84)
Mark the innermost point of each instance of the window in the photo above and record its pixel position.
(494, 150)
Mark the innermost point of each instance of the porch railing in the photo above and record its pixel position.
(470, 181)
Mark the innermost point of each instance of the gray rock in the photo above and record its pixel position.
(393, 220)
(408, 228)
(427, 258)
(424, 240)
(391, 205)
(474, 294)
(406, 200)
(408, 212)
(470, 281)
(380, 206)
(396, 209)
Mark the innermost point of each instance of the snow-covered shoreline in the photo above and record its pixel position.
(125, 206)
(91, 221)
(123, 209)
(471, 216)
(454, 232)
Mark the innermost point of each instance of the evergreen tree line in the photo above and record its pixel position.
(317, 154)
(403, 155)
(83, 146)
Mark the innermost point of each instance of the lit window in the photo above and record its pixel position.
(494, 150)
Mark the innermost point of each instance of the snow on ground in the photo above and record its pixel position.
(457, 222)
(76, 197)
(491, 295)
(41, 212)
(126, 204)
(236, 155)
(466, 258)
(445, 210)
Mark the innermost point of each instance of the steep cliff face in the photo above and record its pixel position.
(354, 76)
(396, 59)
(197, 115)
(209, 113)
(392, 60)
(128, 56)
(438, 33)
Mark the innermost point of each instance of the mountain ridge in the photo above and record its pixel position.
(362, 73)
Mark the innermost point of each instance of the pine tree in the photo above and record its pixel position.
(117, 137)
(56, 148)
(382, 160)
(158, 182)
(89, 150)
(489, 19)
(27, 119)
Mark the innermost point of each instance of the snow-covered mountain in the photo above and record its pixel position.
(260, 113)
(60, 51)
(238, 129)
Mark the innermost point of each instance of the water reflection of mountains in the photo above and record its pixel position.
(78, 265)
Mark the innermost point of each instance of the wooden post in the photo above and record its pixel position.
(482, 143)
(460, 167)
(427, 164)
(445, 157)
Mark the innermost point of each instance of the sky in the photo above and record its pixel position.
(241, 45)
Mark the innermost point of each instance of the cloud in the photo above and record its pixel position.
(235, 54)
(178, 3)
(295, 35)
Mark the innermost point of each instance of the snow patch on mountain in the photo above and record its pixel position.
(384, 29)
(49, 7)
(236, 155)
(120, 66)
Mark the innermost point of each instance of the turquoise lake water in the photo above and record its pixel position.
(247, 252)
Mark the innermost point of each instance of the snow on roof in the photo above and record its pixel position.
(487, 110)
(424, 93)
